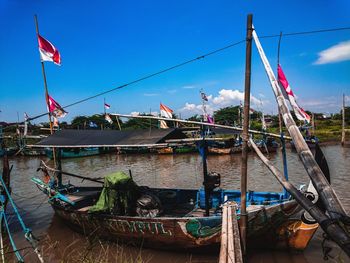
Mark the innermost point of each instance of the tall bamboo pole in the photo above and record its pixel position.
(283, 141)
(245, 135)
(59, 177)
(44, 77)
(343, 123)
(334, 228)
(327, 194)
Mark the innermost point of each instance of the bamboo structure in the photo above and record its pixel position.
(198, 123)
(333, 228)
(245, 135)
(327, 194)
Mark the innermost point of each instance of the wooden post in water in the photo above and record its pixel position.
(245, 135)
(343, 123)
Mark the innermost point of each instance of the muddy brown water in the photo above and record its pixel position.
(61, 244)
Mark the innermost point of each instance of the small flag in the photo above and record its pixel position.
(48, 52)
(204, 97)
(107, 106)
(210, 119)
(55, 109)
(299, 112)
(165, 111)
(26, 117)
(108, 118)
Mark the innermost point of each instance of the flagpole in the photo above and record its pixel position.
(59, 177)
(45, 82)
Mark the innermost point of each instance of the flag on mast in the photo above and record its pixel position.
(204, 96)
(299, 112)
(107, 106)
(167, 113)
(108, 118)
(48, 52)
(55, 109)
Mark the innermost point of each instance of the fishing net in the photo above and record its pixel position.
(118, 196)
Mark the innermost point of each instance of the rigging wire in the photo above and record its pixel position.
(185, 63)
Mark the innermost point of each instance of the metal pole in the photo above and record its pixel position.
(245, 135)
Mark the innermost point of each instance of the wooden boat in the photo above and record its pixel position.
(33, 152)
(268, 145)
(77, 152)
(177, 149)
(217, 150)
(186, 218)
(273, 221)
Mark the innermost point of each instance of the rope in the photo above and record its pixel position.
(27, 231)
(18, 255)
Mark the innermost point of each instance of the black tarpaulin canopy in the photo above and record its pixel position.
(110, 138)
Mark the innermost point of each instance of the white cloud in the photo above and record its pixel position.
(135, 113)
(226, 97)
(150, 94)
(336, 53)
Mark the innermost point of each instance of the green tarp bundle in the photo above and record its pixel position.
(118, 196)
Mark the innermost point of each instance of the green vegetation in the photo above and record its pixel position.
(326, 129)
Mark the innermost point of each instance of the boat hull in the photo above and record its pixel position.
(275, 226)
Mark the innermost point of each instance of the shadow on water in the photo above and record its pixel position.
(61, 244)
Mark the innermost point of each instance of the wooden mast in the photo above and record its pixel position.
(343, 123)
(327, 194)
(57, 163)
(245, 135)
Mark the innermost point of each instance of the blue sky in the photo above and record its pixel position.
(104, 44)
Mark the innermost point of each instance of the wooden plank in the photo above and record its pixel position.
(230, 238)
(223, 248)
(230, 251)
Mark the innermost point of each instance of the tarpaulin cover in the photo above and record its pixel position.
(118, 196)
(109, 138)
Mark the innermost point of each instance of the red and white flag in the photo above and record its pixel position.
(55, 109)
(107, 106)
(299, 112)
(48, 52)
(108, 118)
(167, 113)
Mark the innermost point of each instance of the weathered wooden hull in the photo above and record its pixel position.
(215, 150)
(273, 226)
